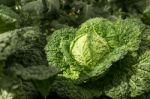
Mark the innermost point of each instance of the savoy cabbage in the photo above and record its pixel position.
(105, 52)
(94, 47)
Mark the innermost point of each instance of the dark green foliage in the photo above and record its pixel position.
(35, 72)
(29, 70)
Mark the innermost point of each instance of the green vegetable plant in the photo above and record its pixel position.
(94, 47)
(104, 54)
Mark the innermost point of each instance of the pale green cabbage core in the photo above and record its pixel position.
(88, 49)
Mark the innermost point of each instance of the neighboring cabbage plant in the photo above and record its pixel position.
(90, 50)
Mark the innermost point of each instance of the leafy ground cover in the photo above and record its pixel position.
(74, 49)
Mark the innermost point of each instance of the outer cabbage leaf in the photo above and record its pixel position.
(68, 88)
(54, 49)
(116, 81)
(116, 85)
(35, 72)
(41, 80)
(129, 77)
(140, 80)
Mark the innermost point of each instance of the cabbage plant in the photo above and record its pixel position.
(101, 57)
(90, 50)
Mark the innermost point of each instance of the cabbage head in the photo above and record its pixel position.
(90, 50)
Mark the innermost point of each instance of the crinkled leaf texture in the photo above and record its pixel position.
(14, 88)
(140, 80)
(127, 80)
(35, 72)
(54, 48)
(41, 80)
(121, 36)
(68, 88)
(116, 81)
(130, 76)
(17, 39)
(23, 46)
